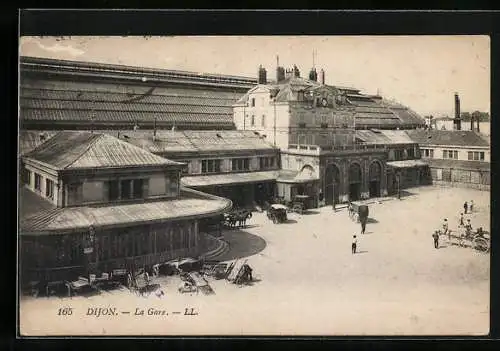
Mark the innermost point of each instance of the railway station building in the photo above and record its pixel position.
(90, 201)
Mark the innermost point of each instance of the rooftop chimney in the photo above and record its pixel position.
(262, 75)
(472, 117)
(313, 75)
(280, 71)
(477, 122)
(322, 76)
(456, 120)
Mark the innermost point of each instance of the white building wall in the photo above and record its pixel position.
(462, 152)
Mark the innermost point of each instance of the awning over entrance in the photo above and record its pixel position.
(294, 177)
(407, 164)
(229, 179)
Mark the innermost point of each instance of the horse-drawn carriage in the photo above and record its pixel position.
(237, 218)
(300, 204)
(358, 212)
(465, 237)
(277, 213)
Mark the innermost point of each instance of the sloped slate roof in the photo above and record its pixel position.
(73, 150)
(196, 141)
(447, 137)
(54, 220)
(80, 102)
(29, 140)
(385, 137)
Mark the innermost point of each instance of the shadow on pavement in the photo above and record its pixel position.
(311, 212)
(361, 252)
(405, 193)
(289, 221)
(241, 244)
(371, 220)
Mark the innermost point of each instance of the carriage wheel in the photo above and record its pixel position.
(481, 245)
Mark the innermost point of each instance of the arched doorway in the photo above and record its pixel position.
(332, 184)
(355, 177)
(375, 175)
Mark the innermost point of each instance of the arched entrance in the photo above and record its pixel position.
(332, 184)
(375, 176)
(355, 177)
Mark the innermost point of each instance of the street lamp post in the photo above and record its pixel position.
(274, 106)
(89, 248)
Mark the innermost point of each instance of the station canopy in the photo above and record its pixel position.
(407, 164)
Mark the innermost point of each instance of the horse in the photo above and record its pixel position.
(242, 217)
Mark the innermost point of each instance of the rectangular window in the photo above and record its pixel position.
(266, 162)
(455, 155)
(125, 191)
(302, 125)
(173, 184)
(138, 188)
(481, 156)
(302, 139)
(263, 121)
(445, 153)
(253, 102)
(470, 155)
(49, 188)
(210, 166)
(252, 121)
(113, 192)
(431, 154)
(240, 164)
(38, 182)
(324, 125)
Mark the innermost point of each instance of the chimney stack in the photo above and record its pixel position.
(472, 117)
(313, 75)
(456, 120)
(477, 122)
(322, 76)
(262, 75)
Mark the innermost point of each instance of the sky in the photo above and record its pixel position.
(421, 72)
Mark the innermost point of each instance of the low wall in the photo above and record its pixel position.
(483, 187)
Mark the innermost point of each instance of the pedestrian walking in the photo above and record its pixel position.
(354, 244)
(471, 205)
(435, 236)
(445, 228)
(465, 207)
(363, 226)
(461, 221)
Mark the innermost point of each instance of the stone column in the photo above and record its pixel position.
(365, 178)
(344, 182)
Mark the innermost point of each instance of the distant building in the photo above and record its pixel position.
(72, 95)
(319, 128)
(90, 202)
(238, 165)
(298, 111)
(460, 157)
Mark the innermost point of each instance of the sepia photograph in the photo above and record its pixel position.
(254, 185)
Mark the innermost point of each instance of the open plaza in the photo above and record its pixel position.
(307, 281)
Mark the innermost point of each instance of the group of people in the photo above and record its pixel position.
(468, 208)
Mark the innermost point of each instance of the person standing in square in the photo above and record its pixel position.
(471, 206)
(465, 207)
(461, 221)
(435, 236)
(354, 244)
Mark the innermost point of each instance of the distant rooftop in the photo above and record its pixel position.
(448, 137)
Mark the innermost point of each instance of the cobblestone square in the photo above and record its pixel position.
(307, 281)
